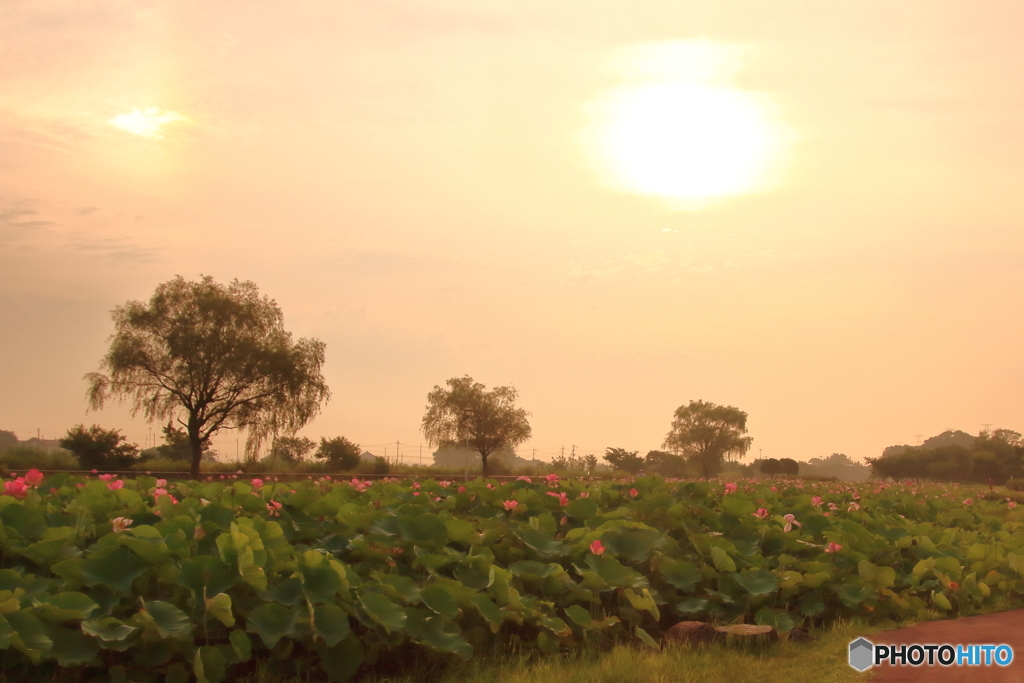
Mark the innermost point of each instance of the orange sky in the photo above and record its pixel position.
(414, 183)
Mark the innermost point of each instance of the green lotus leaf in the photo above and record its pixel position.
(721, 560)
(614, 573)
(205, 573)
(633, 545)
(852, 595)
(117, 569)
(876, 577)
(330, 622)
(342, 660)
(542, 542)
(271, 622)
(320, 582)
(438, 635)
(425, 529)
(71, 647)
(646, 639)
(941, 601)
(475, 572)
(737, 505)
(582, 508)
(692, 605)
(531, 569)
(29, 635)
(209, 665)
(440, 600)
(757, 581)
(65, 606)
(383, 611)
(781, 621)
(555, 625)
(170, 621)
(461, 531)
(682, 574)
(489, 611)
(643, 602)
(108, 629)
(219, 607)
(579, 615)
(811, 605)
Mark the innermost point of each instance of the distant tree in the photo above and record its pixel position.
(621, 459)
(176, 446)
(7, 439)
(211, 357)
(705, 433)
(789, 466)
(771, 467)
(466, 414)
(664, 463)
(291, 448)
(340, 453)
(590, 462)
(98, 448)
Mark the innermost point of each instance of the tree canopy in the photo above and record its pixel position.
(211, 357)
(706, 432)
(467, 414)
(339, 453)
(621, 459)
(98, 448)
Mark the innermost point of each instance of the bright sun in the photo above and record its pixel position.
(147, 123)
(679, 131)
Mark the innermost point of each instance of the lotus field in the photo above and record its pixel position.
(147, 579)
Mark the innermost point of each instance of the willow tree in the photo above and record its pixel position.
(706, 432)
(211, 357)
(466, 414)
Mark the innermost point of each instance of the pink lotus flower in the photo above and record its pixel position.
(415, 493)
(274, 508)
(524, 478)
(954, 586)
(773, 489)
(156, 492)
(199, 533)
(968, 502)
(33, 478)
(119, 524)
(16, 488)
(853, 507)
(761, 513)
(462, 489)
(585, 494)
(563, 497)
(444, 484)
(633, 493)
(597, 548)
(490, 486)
(832, 506)
(106, 477)
(160, 483)
(833, 548)
(551, 478)
(511, 504)
(730, 487)
(1012, 504)
(790, 523)
(416, 485)
(816, 500)
(115, 485)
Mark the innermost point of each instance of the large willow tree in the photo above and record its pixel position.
(211, 357)
(705, 433)
(466, 414)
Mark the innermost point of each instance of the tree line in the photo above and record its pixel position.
(201, 357)
(994, 456)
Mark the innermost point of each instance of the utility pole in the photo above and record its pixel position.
(563, 451)
(421, 455)
(535, 454)
(398, 451)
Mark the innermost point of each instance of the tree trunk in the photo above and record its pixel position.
(197, 447)
(483, 457)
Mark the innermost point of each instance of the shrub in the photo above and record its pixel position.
(1015, 484)
(99, 448)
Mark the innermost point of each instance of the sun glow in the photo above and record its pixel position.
(677, 129)
(148, 122)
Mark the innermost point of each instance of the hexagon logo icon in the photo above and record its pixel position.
(862, 654)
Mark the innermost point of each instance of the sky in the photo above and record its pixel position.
(808, 210)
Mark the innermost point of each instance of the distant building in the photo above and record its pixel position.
(367, 456)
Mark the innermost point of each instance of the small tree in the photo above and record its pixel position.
(621, 459)
(466, 414)
(98, 448)
(665, 464)
(339, 453)
(291, 449)
(211, 357)
(771, 467)
(706, 433)
(789, 466)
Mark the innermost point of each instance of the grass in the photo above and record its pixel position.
(823, 660)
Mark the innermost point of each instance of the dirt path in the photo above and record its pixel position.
(1003, 628)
